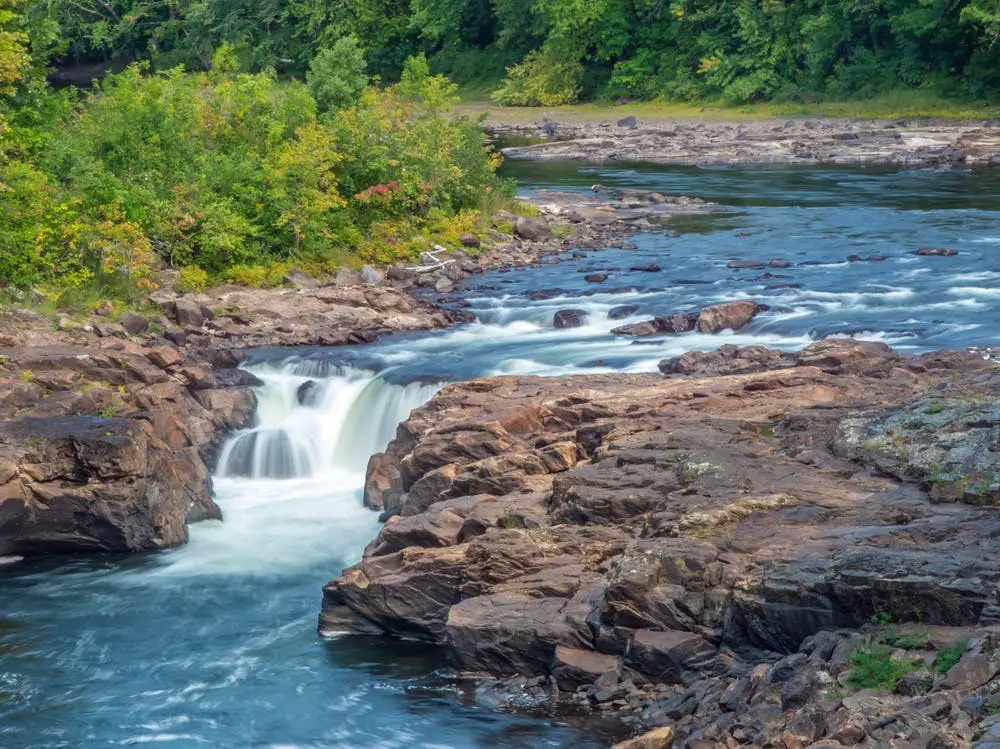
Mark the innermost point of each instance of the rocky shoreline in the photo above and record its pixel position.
(754, 142)
(110, 424)
(704, 552)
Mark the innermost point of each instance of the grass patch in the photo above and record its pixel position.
(874, 667)
(889, 106)
(948, 656)
(935, 408)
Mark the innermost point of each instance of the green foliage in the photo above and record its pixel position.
(874, 667)
(881, 616)
(231, 175)
(949, 656)
(732, 50)
(192, 278)
(110, 410)
(542, 80)
(337, 75)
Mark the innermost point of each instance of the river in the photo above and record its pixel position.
(215, 644)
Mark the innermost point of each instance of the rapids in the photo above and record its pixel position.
(214, 644)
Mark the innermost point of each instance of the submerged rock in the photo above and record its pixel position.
(569, 318)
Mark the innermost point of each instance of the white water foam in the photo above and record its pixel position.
(290, 487)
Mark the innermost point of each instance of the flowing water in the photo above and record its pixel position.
(214, 644)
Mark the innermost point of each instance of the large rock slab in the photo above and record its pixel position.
(687, 533)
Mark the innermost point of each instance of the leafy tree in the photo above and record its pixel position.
(337, 75)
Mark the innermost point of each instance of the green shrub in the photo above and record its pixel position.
(192, 278)
(949, 656)
(874, 667)
(542, 80)
(337, 75)
(232, 175)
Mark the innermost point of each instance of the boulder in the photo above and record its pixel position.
(300, 279)
(596, 277)
(658, 738)
(444, 285)
(347, 277)
(622, 311)
(936, 251)
(133, 322)
(165, 356)
(628, 122)
(371, 276)
(532, 229)
(574, 668)
(469, 240)
(670, 324)
(188, 313)
(569, 318)
(730, 316)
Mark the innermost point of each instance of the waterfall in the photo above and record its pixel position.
(314, 418)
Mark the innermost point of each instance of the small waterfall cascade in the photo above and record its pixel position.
(314, 419)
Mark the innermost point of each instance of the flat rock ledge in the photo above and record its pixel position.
(798, 141)
(705, 550)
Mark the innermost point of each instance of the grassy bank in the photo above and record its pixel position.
(902, 105)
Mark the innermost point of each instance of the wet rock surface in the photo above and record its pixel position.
(107, 447)
(808, 141)
(704, 551)
(110, 426)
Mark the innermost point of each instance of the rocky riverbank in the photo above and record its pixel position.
(705, 551)
(110, 421)
(803, 142)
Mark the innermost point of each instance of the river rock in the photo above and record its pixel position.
(596, 277)
(444, 285)
(469, 240)
(936, 251)
(658, 738)
(133, 322)
(372, 276)
(188, 312)
(534, 229)
(622, 311)
(700, 529)
(569, 318)
(730, 316)
(300, 279)
(670, 324)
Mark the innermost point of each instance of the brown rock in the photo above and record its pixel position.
(939, 251)
(165, 357)
(658, 738)
(730, 316)
(534, 229)
(188, 313)
(469, 240)
(133, 322)
(573, 668)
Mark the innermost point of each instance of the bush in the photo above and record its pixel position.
(874, 668)
(192, 278)
(233, 175)
(542, 80)
(337, 75)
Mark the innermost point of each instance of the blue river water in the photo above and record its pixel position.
(215, 644)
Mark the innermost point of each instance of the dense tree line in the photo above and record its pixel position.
(559, 50)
